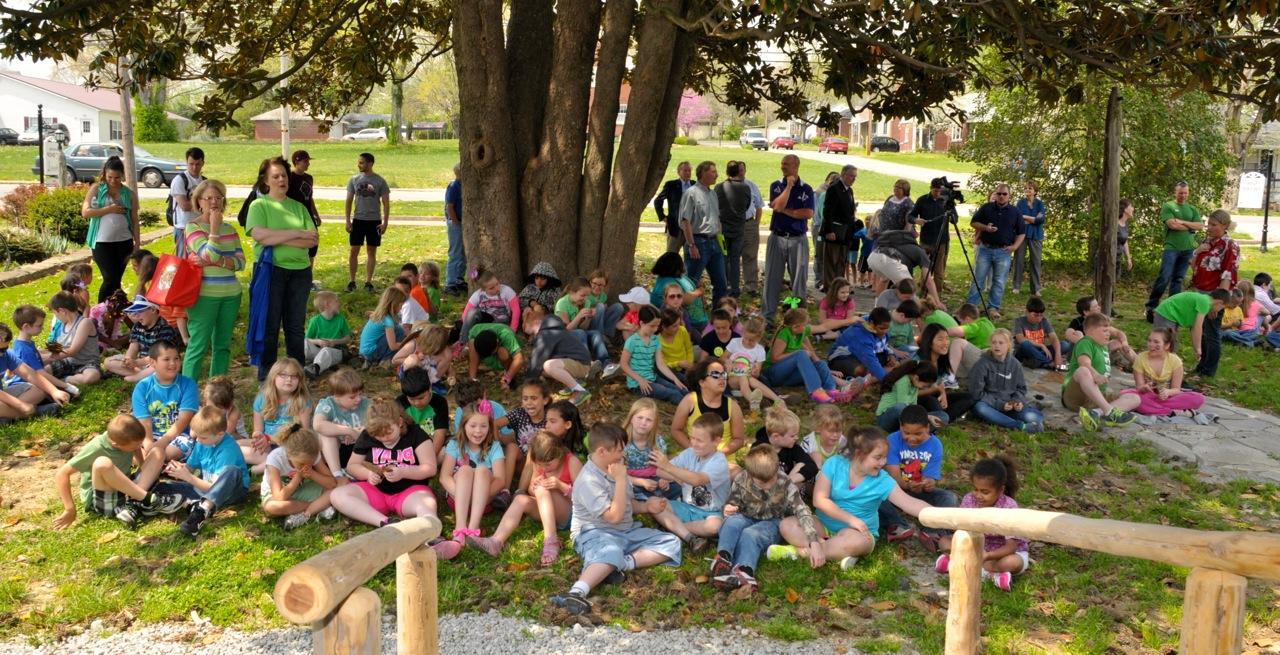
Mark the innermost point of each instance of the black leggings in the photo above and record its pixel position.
(112, 258)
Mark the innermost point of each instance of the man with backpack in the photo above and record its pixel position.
(180, 209)
(734, 198)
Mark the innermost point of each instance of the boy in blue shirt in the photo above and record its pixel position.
(19, 400)
(224, 476)
(915, 461)
(863, 348)
(165, 401)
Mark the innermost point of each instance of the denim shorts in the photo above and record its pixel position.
(183, 443)
(688, 513)
(608, 546)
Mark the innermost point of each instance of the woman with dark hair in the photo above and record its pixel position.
(669, 269)
(1122, 238)
(282, 231)
(113, 225)
(708, 381)
(935, 348)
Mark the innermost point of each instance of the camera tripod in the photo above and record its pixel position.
(952, 217)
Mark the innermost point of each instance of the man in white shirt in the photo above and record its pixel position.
(184, 210)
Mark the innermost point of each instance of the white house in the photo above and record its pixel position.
(89, 114)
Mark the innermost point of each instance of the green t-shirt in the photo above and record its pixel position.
(902, 393)
(565, 306)
(288, 214)
(320, 327)
(941, 318)
(433, 294)
(1182, 308)
(901, 335)
(1179, 239)
(594, 299)
(506, 339)
(794, 341)
(1098, 356)
(99, 446)
(979, 332)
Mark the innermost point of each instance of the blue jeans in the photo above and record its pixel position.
(888, 421)
(180, 241)
(745, 538)
(1244, 338)
(994, 262)
(797, 368)
(1173, 270)
(287, 305)
(227, 489)
(456, 267)
(1210, 346)
(733, 269)
(606, 319)
(1273, 339)
(889, 515)
(1029, 419)
(1030, 354)
(662, 389)
(710, 259)
(593, 343)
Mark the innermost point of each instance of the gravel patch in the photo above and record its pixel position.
(469, 634)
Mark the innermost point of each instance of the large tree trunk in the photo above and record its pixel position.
(397, 111)
(528, 59)
(1105, 274)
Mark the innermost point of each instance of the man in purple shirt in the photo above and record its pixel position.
(787, 250)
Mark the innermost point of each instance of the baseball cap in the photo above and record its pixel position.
(636, 295)
(140, 304)
(300, 155)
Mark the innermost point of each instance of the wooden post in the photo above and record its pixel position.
(1213, 613)
(416, 609)
(965, 603)
(1105, 274)
(354, 628)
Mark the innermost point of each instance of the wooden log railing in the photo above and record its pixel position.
(1214, 600)
(327, 591)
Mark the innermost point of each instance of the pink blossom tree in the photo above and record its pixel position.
(694, 110)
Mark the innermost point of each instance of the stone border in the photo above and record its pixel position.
(29, 272)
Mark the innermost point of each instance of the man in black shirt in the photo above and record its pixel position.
(734, 198)
(302, 189)
(667, 205)
(930, 213)
(1000, 231)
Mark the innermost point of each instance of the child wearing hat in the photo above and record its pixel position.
(148, 328)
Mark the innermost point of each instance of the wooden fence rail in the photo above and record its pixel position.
(1213, 603)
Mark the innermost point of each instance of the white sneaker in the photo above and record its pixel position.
(949, 381)
(328, 514)
(848, 563)
(610, 370)
(296, 520)
(73, 390)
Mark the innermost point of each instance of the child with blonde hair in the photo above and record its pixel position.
(305, 494)
(703, 473)
(781, 431)
(339, 418)
(220, 392)
(997, 382)
(382, 334)
(1252, 317)
(473, 470)
(224, 475)
(327, 335)
(745, 356)
(827, 438)
(428, 289)
(283, 401)
(642, 439)
(430, 352)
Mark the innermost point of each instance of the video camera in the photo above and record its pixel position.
(950, 191)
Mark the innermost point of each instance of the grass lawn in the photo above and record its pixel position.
(56, 583)
(936, 160)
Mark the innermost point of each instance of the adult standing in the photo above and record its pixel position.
(1122, 238)
(930, 215)
(1216, 266)
(700, 225)
(819, 205)
(302, 187)
(839, 210)
(180, 190)
(456, 269)
(734, 197)
(895, 258)
(707, 382)
(787, 250)
(751, 237)
(1181, 222)
(214, 245)
(668, 203)
(1031, 209)
(369, 193)
(283, 224)
(897, 208)
(1000, 231)
(113, 225)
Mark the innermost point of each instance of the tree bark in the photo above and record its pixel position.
(528, 61)
(491, 215)
(1239, 142)
(397, 112)
(1105, 274)
(594, 195)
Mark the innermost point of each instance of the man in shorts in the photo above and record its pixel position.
(368, 192)
(896, 255)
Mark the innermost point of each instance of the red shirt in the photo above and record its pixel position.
(1216, 260)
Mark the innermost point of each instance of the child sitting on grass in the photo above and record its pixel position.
(542, 286)
(973, 328)
(995, 482)
(1088, 373)
(827, 437)
(677, 348)
(339, 417)
(902, 329)
(578, 318)
(745, 357)
(284, 400)
(165, 401)
(715, 342)
(703, 474)
(472, 470)
(73, 357)
(305, 494)
(632, 301)
(224, 476)
(327, 335)
(106, 486)
(560, 355)
(605, 534)
(494, 345)
(492, 302)
(1037, 344)
(546, 499)
(837, 310)
(862, 351)
(470, 391)
(424, 407)
(1117, 341)
(998, 384)
(411, 311)
(108, 318)
(642, 439)
(148, 328)
(221, 393)
(1157, 379)
(915, 462)
(793, 361)
(382, 333)
(643, 364)
(428, 289)
(430, 352)
(29, 320)
(781, 431)
(912, 383)
(1253, 320)
(760, 498)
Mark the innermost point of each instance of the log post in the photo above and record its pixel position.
(1104, 275)
(1213, 613)
(964, 602)
(416, 609)
(354, 628)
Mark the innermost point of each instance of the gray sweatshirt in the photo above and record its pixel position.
(995, 382)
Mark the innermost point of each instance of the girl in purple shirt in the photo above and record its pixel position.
(995, 481)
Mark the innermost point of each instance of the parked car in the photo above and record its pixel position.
(884, 144)
(754, 139)
(834, 144)
(8, 137)
(84, 163)
(31, 136)
(783, 143)
(367, 134)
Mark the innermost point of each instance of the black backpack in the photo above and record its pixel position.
(243, 216)
(170, 207)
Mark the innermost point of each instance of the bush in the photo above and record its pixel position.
(152, 125)
(21, 248)
(58, 212)
(148, 218)
(684, 141)
(731, 132)
(14, 206)
(815, 141)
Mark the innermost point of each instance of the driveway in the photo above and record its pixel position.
(915, 173)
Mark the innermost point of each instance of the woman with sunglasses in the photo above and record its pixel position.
(214, 245)
(708, 382)
(669, 269)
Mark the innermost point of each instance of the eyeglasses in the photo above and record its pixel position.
(717, 375)
(289, 376)
(1002, 193)
(675, 295)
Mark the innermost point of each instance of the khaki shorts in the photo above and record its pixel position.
(1073, 397)
(888, 267)
(576, 368)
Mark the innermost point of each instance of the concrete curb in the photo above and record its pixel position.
(29, 272)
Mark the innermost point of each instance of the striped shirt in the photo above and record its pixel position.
(218, 281)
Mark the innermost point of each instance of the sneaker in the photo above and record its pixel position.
(779, 552)
(720, 567)
(1118, 419)
(746, 579)
(842, 397)
(897, 533)
(446, 549)
(195, 520)
(994, 315)
(72, 390)
(47, 409)
(156, 503)
(296, 520)
(726, 581)
(351, 286)
(312, 371)
(572, 603)
(1151, 315)
(848, 563)
(368, 287)
(328, 514)
(949, 381)
(487, 545)
(943, 564)
(580, 398)
(821, 397)
(1089, 419)
(501, 500)
(609, 371)
(1003, 580)
(594, 369)
(616, 578)
(697, 544)
(128, 515)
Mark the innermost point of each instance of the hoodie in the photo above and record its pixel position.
(995, 382)
(546, 296)
(555, 342)
(863, 344)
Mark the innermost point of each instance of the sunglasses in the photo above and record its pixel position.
(717, 375)
(1002, 193)
(675, 295)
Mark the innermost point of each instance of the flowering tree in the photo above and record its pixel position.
(694, 110)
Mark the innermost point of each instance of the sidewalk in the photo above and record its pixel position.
(321, 193)
(917, 173)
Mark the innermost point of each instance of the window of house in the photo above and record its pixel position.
(114, 127)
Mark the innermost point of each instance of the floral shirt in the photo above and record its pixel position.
(1216, 260)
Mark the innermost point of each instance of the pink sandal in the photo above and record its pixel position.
(550, 551)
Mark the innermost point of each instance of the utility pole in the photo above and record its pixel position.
(284, 111)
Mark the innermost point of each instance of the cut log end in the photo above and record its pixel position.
(297, 599)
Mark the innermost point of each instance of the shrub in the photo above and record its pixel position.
(731, 132)
(152, 125)
(684, 141)
(14, 206)
(21, 248)
(58, 212)
(815, 141)
(148, 218)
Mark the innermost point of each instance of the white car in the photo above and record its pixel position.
(753, 139)
(367, 134)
